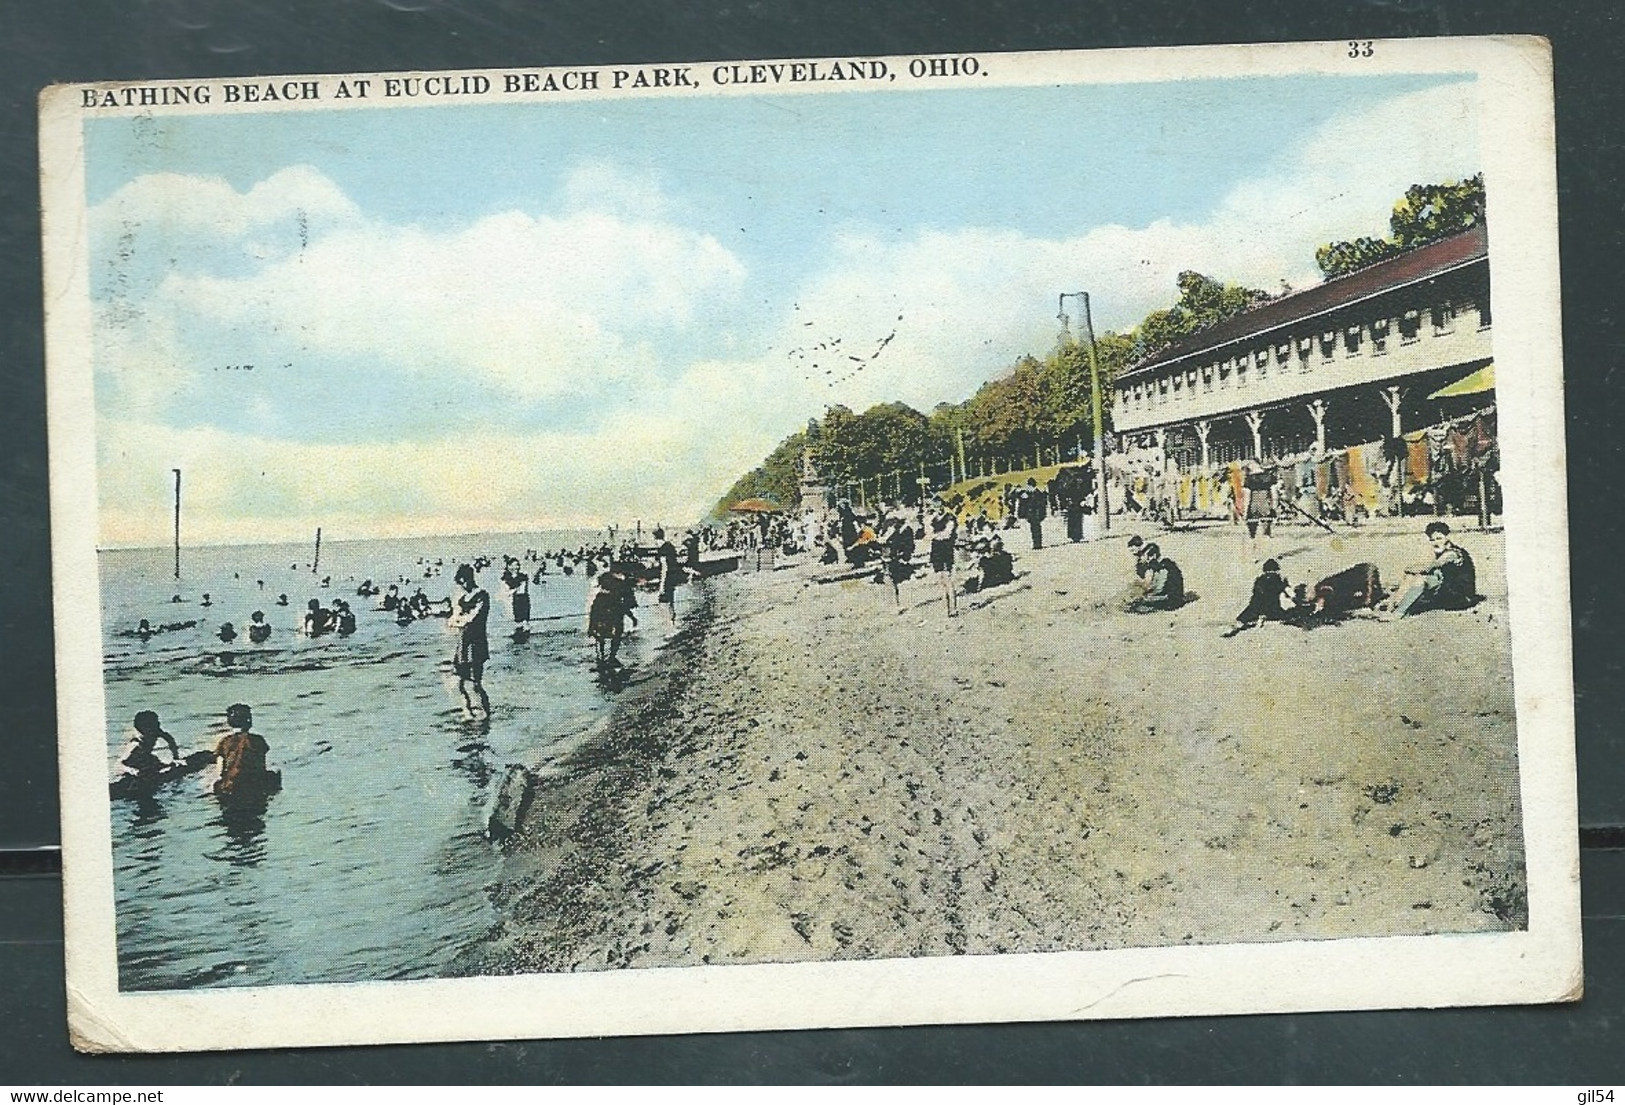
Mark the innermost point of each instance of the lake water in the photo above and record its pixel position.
(370, 863)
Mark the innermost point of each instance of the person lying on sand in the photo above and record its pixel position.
(865, 549)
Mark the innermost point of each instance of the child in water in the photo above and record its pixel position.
(609, 603)
(139, 756)
(258, 631)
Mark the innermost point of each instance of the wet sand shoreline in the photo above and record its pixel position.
(811, 776)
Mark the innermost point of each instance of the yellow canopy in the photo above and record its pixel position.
(1471, 384)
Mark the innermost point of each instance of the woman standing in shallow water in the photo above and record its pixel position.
(468, 616)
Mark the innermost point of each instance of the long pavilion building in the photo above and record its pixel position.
(1351, 368)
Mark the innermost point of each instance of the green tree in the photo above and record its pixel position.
(896, 435)
(777, 478)
(1066, 387)
(1428, 212)
(1007, 413)
(1424, 214)
(943, 427)
(1338, 258)
(1203, 301)
(838, 448)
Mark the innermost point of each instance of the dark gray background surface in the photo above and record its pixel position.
(81, 40)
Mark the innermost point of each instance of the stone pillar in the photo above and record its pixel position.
(1392, 396)
(1203, 428)
(1317, 411)
(814, 493)
(1255, 423)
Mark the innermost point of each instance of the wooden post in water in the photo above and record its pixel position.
(316, 562)
(177, 523)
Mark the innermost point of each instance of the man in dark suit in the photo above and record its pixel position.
(1033, 504)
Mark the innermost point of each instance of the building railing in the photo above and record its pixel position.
(1289, 367)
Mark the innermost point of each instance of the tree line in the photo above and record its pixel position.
(1037, 412)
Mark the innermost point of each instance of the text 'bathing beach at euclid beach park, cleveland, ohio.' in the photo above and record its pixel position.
(527, 548)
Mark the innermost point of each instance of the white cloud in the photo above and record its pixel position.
(535, 303)
(169, 204)
(605, 187)
(245, 489)
(973, 300)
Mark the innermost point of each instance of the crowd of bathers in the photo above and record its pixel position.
(882, 541)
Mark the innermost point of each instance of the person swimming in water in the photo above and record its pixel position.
(258, 631)
(318, 620)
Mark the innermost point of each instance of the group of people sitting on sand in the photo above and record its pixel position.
(1448, 582)
(889, 540)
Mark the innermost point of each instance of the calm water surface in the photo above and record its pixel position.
(369, 864)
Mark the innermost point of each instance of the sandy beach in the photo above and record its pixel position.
(808, 775)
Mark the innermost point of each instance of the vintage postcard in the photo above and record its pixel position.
(837, 541)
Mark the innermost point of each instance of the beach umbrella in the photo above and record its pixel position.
(1475, 384)
(755, 506)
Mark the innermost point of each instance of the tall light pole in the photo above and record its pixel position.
(1102, 502)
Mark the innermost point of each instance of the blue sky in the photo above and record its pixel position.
(607, 297)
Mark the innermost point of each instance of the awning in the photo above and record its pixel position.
(1471, 384)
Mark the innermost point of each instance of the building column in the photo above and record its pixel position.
(1317, 411)
(1255, 423)
(1203, 428)
(1392, 396)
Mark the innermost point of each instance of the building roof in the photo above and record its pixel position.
(1410, 267)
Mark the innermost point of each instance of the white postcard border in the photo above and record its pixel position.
(1540, 964)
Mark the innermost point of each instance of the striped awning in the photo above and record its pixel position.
(1471, 384)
